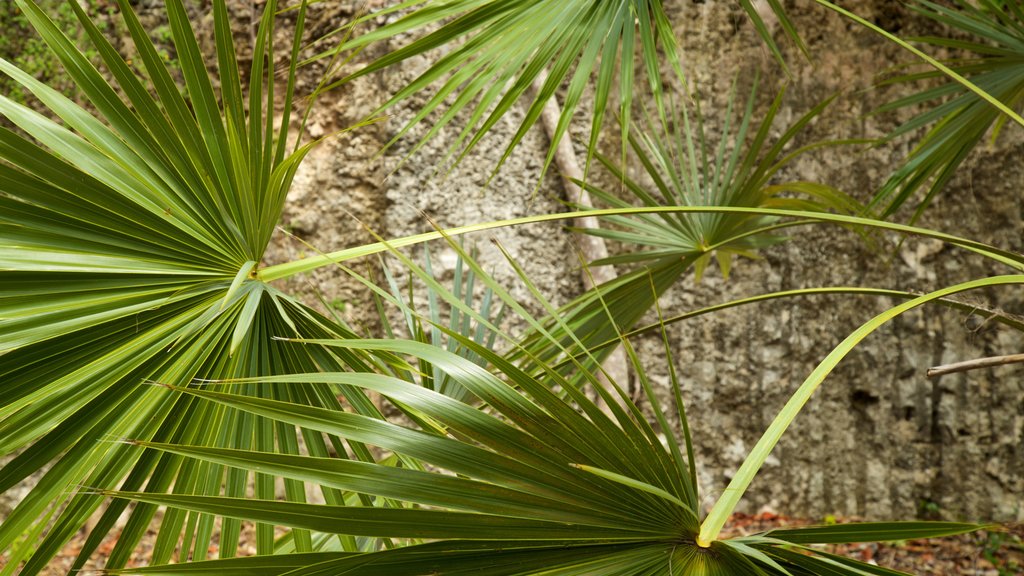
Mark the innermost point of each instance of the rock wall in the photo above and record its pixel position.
(879, 439)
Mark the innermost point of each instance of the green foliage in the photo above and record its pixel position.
(688, 166)
(499, 48)
(28, 52)
(994, 46)
(131, 243)
(145, 357)
(502, 47)
(445, 319)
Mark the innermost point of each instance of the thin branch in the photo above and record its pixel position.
(592, 247)
(975, 364)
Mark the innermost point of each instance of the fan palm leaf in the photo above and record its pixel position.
(533, 483)
(130, 240)
(689, 168)
(497, 49)
(984, 90)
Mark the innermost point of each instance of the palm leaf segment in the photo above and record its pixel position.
(992, 33)
(129, 250)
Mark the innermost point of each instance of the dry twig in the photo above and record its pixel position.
(977, 363)
(592, 247)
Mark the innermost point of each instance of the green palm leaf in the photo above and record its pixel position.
(270, 565)
(505, 491)
(520, 477)
(130, 236)
(688, 168)
(870, 532)
(499, 48)
(992, 34)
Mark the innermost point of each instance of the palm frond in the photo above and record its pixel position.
(497, 49)
(982, 89)
(534, 483)
(526, 472)
(994, 63)
(130, 239)
(689, 168)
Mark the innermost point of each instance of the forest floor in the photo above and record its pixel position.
(984, 553)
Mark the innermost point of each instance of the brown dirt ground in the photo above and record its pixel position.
(984, 553)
